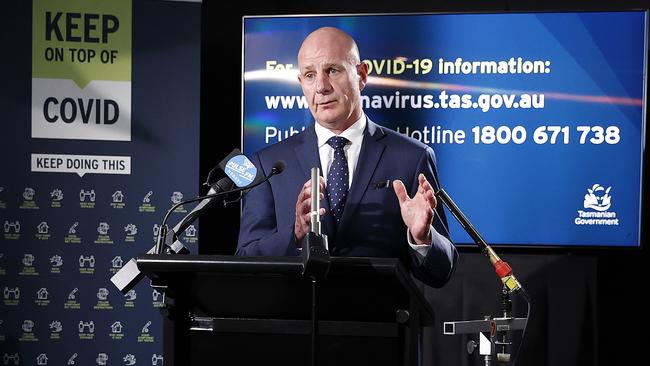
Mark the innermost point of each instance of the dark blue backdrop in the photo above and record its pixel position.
(164, 159)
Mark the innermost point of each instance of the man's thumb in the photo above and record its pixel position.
(400, 191)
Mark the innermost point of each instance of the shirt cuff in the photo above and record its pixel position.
(420, 249)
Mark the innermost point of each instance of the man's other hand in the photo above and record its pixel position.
(417, 212)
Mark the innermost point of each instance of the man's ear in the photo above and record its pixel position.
(362, 72)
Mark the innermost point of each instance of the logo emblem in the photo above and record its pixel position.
(56, 194)
(241, 170)
(28, 194)
(598, 198)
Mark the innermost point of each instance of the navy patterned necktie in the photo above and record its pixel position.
(337, 177)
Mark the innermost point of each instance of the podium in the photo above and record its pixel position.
(228, 310)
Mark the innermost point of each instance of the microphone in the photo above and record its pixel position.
(315, 254)
(220, 168)
(229, 166)
(501, 267)
(278, 167)
(232, 166)
(241, 171)
(129, 275)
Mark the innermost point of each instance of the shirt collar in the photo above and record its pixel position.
(353, 133)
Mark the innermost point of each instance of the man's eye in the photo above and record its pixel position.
(309, 76)
(333, 71)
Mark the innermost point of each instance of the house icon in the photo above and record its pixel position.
(190, 231)
(41, 359)
(116, 327)
(43, 228)
(117, 262)
(42, 294)
(118, 197)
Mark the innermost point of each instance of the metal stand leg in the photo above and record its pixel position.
(314, 323)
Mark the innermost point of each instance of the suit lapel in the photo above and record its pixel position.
(369, 156)
(308, 157)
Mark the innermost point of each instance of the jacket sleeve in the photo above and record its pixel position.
(438, 265)
(259, 234)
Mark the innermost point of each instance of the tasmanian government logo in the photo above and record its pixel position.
(597, 204)
(598, 198)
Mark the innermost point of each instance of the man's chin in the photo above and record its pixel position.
(328, 120)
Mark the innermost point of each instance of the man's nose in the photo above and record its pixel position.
(323, 85)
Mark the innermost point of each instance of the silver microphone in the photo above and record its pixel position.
(314, 225)
(315, 253)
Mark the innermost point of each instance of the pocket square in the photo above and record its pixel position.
(380, 185)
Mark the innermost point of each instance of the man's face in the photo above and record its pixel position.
(331, 82)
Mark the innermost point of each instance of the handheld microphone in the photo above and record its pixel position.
(501, 267)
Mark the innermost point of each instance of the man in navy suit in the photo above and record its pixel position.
(360, 162)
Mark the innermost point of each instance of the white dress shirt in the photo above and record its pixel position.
(352, 150)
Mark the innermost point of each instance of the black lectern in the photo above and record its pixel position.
(226, 310)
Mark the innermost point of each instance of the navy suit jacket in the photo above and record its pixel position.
(371, 225)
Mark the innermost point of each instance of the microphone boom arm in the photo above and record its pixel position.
(502, 268)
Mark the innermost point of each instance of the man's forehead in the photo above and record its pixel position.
(315, 63)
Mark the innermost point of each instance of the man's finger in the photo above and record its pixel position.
(305, 206)
(306, 219)
(306, 190)
(424, 183)
(400, 191)
(431, 198)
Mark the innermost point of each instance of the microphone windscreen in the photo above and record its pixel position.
(224, 161)
(278, 167)
(218, 171)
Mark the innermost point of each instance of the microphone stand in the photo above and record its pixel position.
(493, 332)
(166, 238)
(315, 257)
(167, 242)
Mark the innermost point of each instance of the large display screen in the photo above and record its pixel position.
(537, 120)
